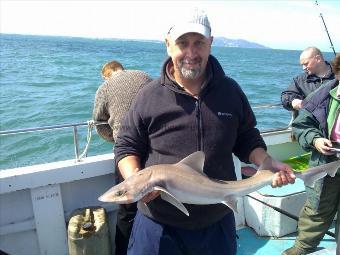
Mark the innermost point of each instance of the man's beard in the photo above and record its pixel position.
(189, 73)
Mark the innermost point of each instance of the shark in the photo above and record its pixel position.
(186, 183)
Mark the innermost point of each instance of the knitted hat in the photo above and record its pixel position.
(196, 22)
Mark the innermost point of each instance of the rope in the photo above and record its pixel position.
(90, 125)
(291, 120)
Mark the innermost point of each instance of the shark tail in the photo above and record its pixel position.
(331, 171)
(310, 181)
(320, 172)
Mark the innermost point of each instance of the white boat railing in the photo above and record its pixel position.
(75, 126)
(92, 123)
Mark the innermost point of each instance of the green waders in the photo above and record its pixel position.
(323, 202)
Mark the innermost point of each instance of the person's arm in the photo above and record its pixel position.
(250, 147)
(101, 113)
(292, 97)
(132, 145)
(306, 130)
(284, 173)
(323, 145)
(130, 165)
(248, 136)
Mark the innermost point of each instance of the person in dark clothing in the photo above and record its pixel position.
(192, 106)
(317, 129)
(316, 73)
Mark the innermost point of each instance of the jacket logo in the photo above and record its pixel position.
(224, 114)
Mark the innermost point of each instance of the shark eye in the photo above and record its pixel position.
(120, 193)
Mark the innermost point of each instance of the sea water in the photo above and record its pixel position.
(49, 81)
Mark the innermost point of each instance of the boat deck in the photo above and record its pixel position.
(249, 243)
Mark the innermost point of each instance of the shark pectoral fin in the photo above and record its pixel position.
(165, 195)
(231, 202)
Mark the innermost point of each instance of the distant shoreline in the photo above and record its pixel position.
(218, 41)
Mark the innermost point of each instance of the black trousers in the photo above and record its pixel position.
(125, 216)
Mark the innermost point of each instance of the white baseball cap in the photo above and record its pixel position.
(197, 22)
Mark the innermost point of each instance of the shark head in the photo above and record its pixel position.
(129, 191)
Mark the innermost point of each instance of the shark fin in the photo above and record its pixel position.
(194, 161)
(231, 202)
(165, 195)
(315, 173)
(310, 181)
(332, 170)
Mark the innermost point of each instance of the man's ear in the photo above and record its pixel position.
(317, 57)
(167, 44)
(211, 41)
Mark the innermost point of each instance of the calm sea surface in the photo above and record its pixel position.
(53, 80)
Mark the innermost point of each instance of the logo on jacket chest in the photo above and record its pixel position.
(224, 114)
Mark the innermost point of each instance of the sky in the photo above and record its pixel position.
(286, 24)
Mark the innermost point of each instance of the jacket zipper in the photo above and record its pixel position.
(199, 126)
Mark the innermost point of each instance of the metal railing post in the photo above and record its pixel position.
(76, 144)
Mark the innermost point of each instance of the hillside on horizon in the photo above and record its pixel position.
(239, 43)
(219, 41)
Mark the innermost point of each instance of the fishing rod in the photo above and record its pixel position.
(289, 215)
(323, 21)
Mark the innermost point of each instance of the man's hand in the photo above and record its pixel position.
(297, 104)
(323, 145)
(131, 165)
(284, 176)
(284, 173)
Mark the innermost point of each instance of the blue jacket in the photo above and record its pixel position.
(166, 124)
(311, 123)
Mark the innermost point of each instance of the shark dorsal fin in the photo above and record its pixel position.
(194, 161)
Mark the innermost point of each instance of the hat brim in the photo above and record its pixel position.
(179, 30)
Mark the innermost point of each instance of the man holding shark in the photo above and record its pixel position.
(193, 106)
